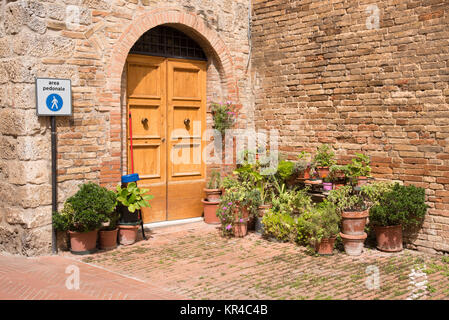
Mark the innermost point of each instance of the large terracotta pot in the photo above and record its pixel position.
(325, 246)
(389, 238)
(83, 242)
(323, 172)
(108, 239)
(353, 222)
(213, 194)
(127, 234)
(210, 212)
(353, 243)
(240, 229)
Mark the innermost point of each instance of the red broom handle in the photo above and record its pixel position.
(131, 142)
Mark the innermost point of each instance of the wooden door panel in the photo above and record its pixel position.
(186, 100)
(147, 104)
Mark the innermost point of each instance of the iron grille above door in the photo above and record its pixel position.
(168, 42)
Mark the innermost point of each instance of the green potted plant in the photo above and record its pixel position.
(323, 160)
(321, 225)
(83, 214)
(303, 165)
(108, 232)
(213, 191)
(212, 200)
(397, 208)
(352, 205)
(337, 174)
(131, 199)
(359, 169)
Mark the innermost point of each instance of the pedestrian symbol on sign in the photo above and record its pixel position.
(54, 102)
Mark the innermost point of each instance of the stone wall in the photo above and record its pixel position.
(88, 41)
(331, 72)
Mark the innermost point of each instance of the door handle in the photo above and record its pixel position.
(144, 121)
(187, 122)
(163, 139)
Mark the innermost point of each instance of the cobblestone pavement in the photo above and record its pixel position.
(194, 261)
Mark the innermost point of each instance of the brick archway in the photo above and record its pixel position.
(208, 38)
(192, 25)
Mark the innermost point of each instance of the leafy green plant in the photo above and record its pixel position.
(86, 210)
(403, 205)
(338, 172)
(321, 222)
(224, 116)
(290, 201)
(285, 170)
(347, 198)
(324, 156)
(359, 166)
(133, 197)
(376, 190)
(279, 225)
(214, 180)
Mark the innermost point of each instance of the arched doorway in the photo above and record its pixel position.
(166, 97)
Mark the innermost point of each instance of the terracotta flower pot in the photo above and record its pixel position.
(389, 238)
(353, 222)
(361, 181)
(325, 246)
(83, 242)
(353, 243)
(213, 194)
(304, 174)
(323, 172)
(127, 234)
(108, 239)
(263, 209)
(244, 212)
(338, 185)
(210, 212)
(240, 229)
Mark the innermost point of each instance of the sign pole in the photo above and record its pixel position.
(54, 182)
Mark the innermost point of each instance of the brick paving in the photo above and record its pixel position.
(44, 278)
(194, 262)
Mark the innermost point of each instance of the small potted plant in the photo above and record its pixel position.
(337, 174)
(131, 199)
(108, 232)
(400, 207)
(321, 224)
(303, 165)
(323, 160)
(327, 184)
(213, 193)
(231, 217)
(352, 205)
(359, 169)
(83, 215)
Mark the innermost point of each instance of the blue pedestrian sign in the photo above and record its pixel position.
(53, 97)
(54, 102)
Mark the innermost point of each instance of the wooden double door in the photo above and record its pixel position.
(167, 101)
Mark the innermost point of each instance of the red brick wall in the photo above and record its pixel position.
(323, 77)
